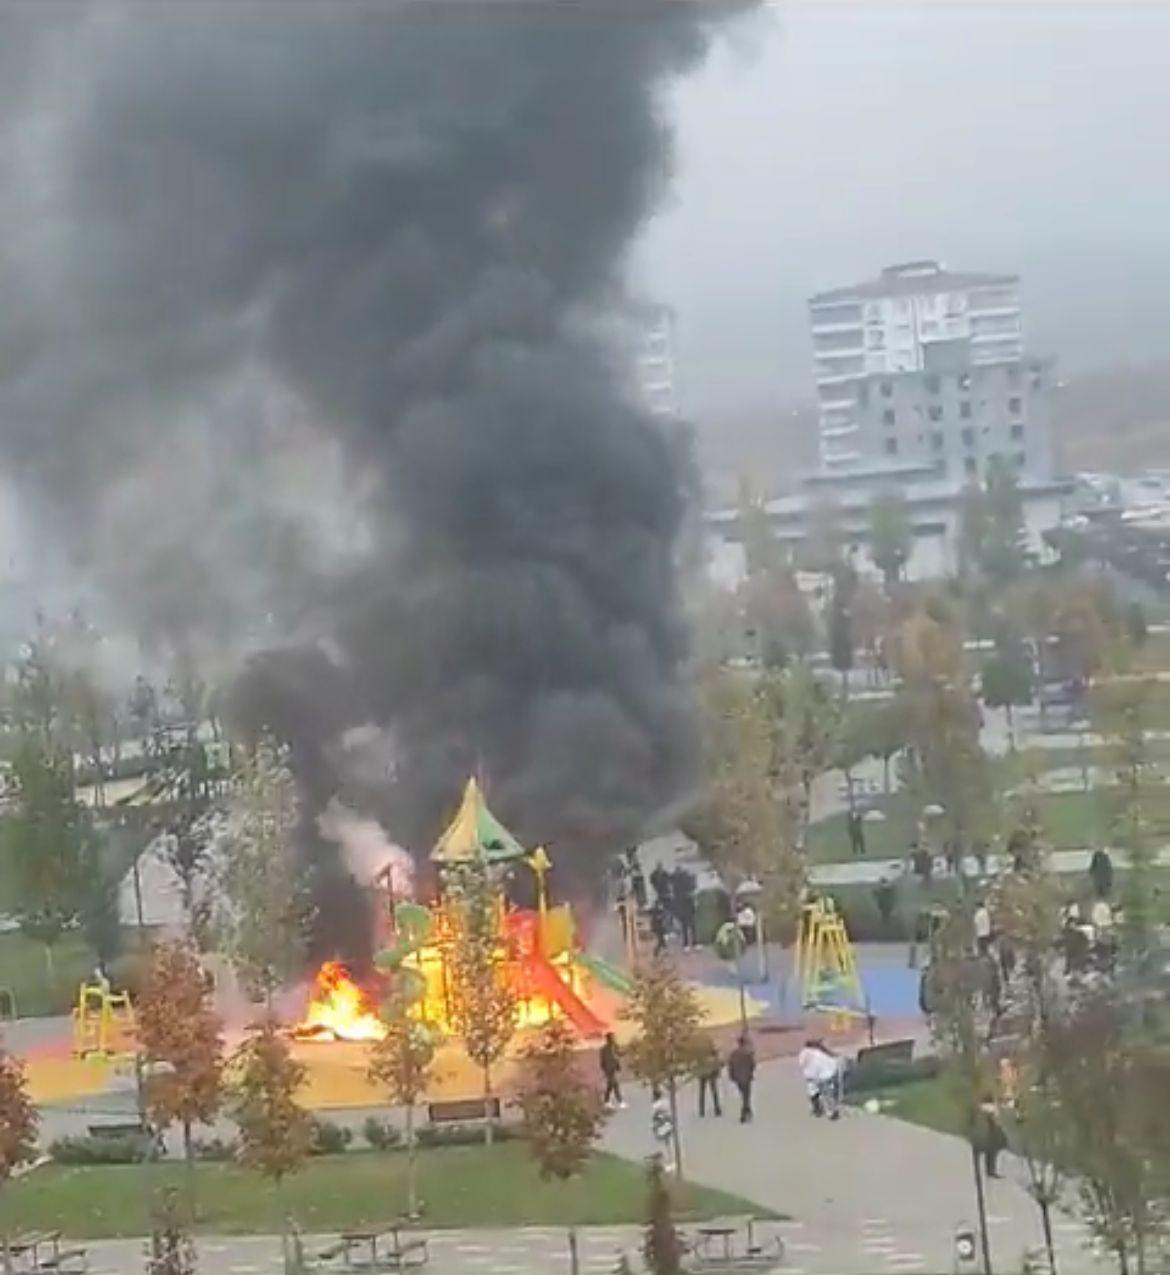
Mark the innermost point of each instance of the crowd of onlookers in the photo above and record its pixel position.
(671, 910)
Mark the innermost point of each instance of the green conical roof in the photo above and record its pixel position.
(475, 834)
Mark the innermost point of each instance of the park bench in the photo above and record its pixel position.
(463, 1111)
(877, 1064)
(67, 1260)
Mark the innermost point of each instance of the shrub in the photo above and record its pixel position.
(381, 1135)
(463, 1135)
(130, 1149)
(327, 1138)
(877, 1076)
(216, 1150)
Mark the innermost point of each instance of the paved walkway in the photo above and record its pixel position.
(867, 1194)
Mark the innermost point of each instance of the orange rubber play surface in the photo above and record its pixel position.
(337, 1070)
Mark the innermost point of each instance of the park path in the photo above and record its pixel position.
(866, 1195)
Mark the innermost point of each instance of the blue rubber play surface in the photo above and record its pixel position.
(890, 989)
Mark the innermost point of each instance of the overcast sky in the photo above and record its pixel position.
(824, 142)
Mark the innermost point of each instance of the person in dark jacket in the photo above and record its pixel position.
(683, 893)
(741, 1068)
(990, 1138)
(708, 1075)
(659, 926)
(1101, 873)
(611, 1068)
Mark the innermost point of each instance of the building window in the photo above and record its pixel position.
(1013, 376)
(1021, 459)
(965, 410)
(1017, 432)
(933, 384)
(1014, 405)
(887, 389)
(970, 465)
(936, 441)
(863, 394)
(965, 381)
(935, 413)
(968, 437)
(891, 447)
(888, 417)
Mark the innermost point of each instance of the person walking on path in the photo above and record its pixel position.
(990, 1138)
(611, 1068)
(708, 1074)
(662, 1128)
(741, 1068)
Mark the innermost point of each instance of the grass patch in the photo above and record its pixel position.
(1072, 821)
(459, 1186)
(924, 1102)
(25, 972)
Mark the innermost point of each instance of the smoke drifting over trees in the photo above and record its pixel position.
(292, 358)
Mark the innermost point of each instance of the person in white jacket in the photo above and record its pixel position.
(821, 1069)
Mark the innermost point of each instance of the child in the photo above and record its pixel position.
(662, 1128)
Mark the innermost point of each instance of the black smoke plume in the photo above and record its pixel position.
(294, 355)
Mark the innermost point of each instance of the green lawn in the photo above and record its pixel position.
(459, 1186)
(25, 972)
(1072, 820)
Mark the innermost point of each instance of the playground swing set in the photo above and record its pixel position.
(103, 1023)
(826, 967)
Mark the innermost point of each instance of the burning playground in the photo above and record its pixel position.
(538, 948)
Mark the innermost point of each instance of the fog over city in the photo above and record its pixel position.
(819, 143)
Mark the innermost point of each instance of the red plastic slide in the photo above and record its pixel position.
(549, 983)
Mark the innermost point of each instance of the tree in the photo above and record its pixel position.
(19, 1123)
(483, 1000)
(670, 1043)
(662, 1245)
(274, 1129)
(1006, 682)
(778, 617)
(960, 1027)
(840, 621)
(948, 765)
(179, 1035)
(1098, 1080)
(749, 822)
(1004, 549)
(402, 1062)
(1121, 707)
(265, 914)
(891, 536)
(50, 843)
(563, 1115)
(186, 850)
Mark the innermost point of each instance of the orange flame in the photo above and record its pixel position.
(338, 1009)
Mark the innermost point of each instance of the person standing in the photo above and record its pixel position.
(659, 926)
(1101, 873)
(856, 833)
(982, 924)
(741, 1068)
(661, 881)
(708, 1075)
(885, 896)
(683, 892)
(611, 1068)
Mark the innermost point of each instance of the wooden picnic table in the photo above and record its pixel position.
(392, 1256)
(707, 1237)
(27, 1247)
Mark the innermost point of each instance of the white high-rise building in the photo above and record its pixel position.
(924, 365)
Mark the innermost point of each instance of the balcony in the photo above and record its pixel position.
(839, 431)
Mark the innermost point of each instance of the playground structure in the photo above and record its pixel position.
(825, 966)
(103, 1023)
(537, 951)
